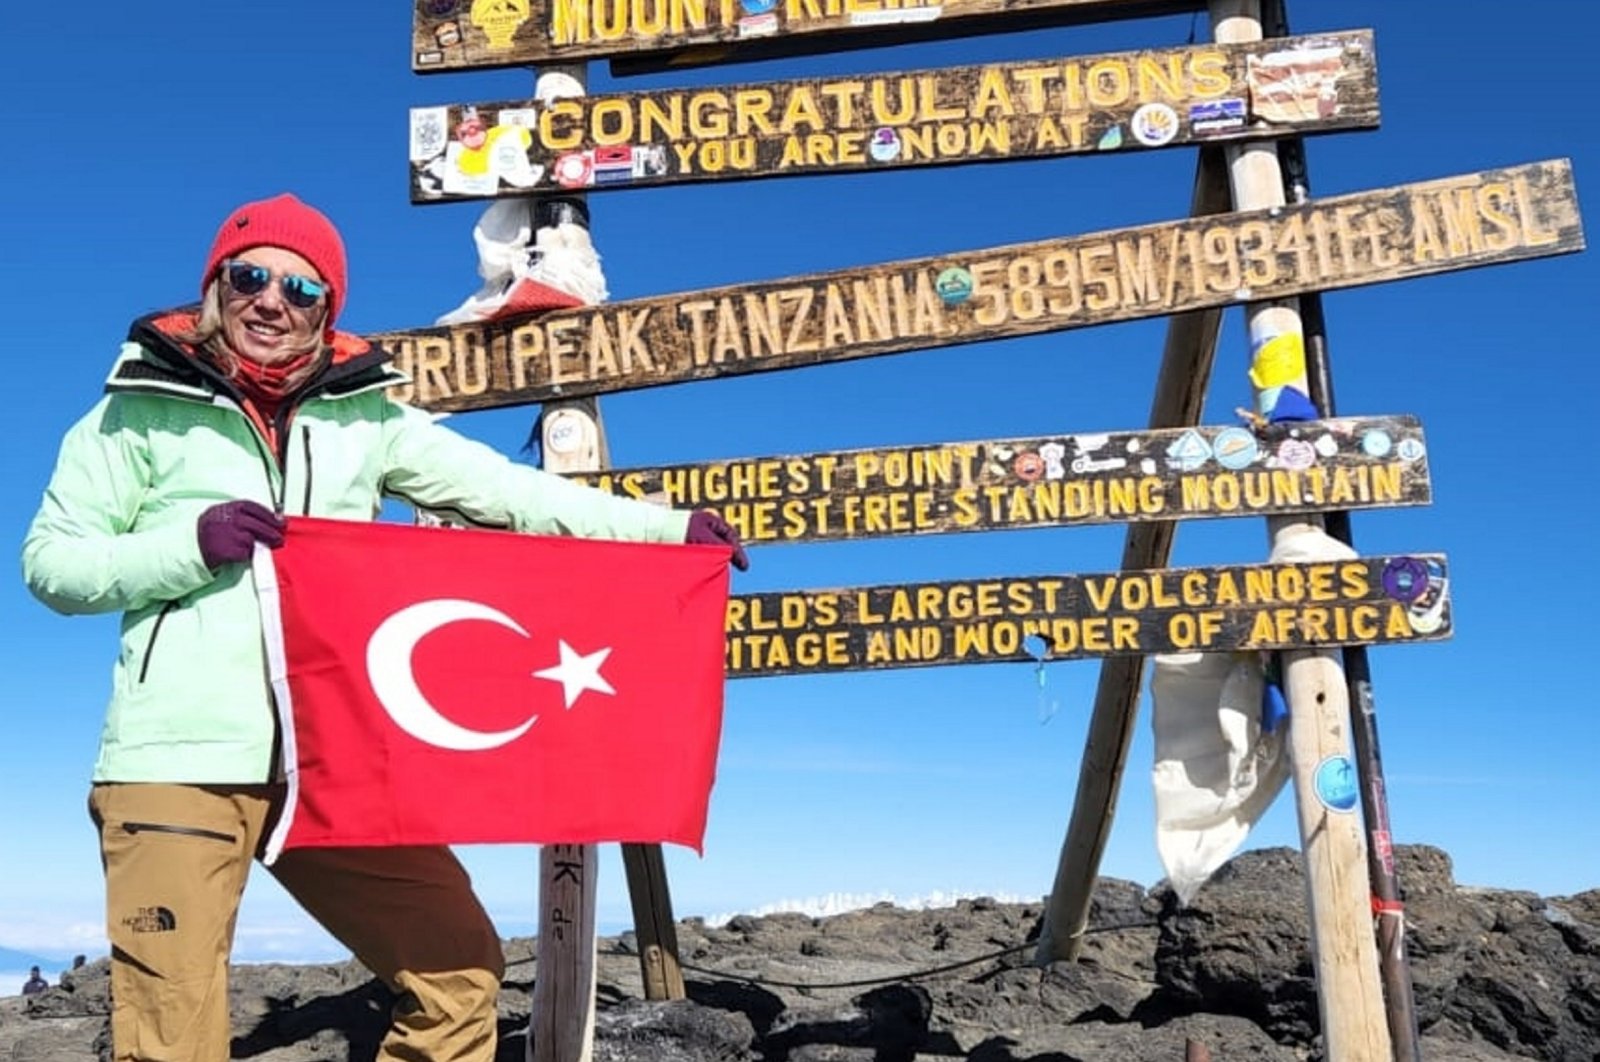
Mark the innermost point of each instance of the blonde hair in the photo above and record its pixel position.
(208, 339)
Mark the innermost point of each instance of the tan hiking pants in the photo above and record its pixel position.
(176, 858)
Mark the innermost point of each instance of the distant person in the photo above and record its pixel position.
(34, 984)
(215, 422)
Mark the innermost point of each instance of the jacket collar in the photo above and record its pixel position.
(154, 361)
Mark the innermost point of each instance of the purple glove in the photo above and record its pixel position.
(707, 528)
(229, 531)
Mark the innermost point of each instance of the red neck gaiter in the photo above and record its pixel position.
(265, 387)
(266, 383)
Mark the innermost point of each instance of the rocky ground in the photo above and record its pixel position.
(1497, 975)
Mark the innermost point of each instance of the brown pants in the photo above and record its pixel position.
(176, 858)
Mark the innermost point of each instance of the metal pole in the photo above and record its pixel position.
(1394, 968)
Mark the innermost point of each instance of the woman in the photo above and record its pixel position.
(213, 425)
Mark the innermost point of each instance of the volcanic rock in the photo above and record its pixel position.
(1497, 975)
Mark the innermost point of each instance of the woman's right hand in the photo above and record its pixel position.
(229, 531)
(708, 528)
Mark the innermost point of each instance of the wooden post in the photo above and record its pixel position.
(1344, 954)
(572, 439)
(561, 1027)
(1186, 361)
(646, 870)
(1393, 965)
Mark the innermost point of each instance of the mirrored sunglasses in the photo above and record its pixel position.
(247, 279)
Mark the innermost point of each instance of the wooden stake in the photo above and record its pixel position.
(572, 439)
(1393, 964)
(652, 921)
(1186, 362)
(561, 1028)
(1349, 994)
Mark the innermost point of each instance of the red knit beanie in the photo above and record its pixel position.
(284, 221)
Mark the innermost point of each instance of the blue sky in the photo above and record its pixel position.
(139, 129)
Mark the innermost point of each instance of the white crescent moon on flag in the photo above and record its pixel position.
(389, 671)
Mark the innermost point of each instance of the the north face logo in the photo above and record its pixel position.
(152, 920)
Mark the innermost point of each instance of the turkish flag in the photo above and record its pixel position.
(441, 686)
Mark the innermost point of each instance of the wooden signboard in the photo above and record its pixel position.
(1123, 101)
(1477, 219)
(458, 34)
(1369, 600)
(1049, 481)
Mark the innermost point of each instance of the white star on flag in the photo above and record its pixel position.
(578, 672)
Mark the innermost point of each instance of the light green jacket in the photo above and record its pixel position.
(190, 700)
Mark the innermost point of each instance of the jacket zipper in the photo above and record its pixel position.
(305, 439)
(266, 466)
(155, 631)
(182, 831)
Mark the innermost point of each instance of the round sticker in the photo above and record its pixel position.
(563, 433)
(884, 145)
(954, 285)
(1410, 449)
(1335, 783)
(1235, 448)
(1154, 124)
(574, 170)
(1405, 578)
(1297, 455)
(1028, 466)
(1376, 443)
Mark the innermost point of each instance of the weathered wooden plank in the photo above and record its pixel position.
(1369, 600)
(458, 34)
(1477, 219)
(1097, 103)
(1047, 481)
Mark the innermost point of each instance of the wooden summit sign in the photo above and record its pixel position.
(1122, 101)
(456, 34)
(1049, 481)
(1369, 600)
(1477, 219)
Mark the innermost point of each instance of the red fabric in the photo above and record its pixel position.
(633, 765)
(532, 296)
